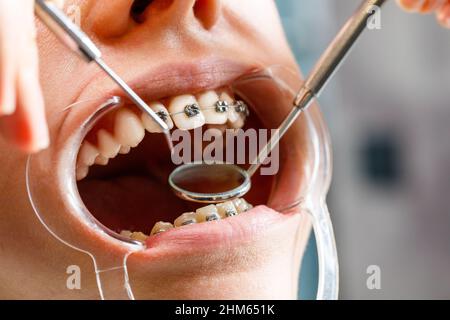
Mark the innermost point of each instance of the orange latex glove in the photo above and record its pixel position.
(440, 7)
(22, 112)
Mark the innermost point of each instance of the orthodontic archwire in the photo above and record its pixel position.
(221, 106)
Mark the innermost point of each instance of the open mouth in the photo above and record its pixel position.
(124, 163)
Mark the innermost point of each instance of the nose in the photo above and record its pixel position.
(205, 12)
(112, 19)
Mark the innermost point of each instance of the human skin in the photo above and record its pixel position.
(249, 35)
(33, 264)
(22, 114)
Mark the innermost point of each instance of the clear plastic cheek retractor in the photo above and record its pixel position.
(78, 229)
(54, 169)
(66, 217)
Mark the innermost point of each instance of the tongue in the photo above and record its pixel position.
(131, 202)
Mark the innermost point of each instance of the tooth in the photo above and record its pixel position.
(226, 209)
(108, 146)
(161, 227)
(58, 3)
(221, 127)
(208, 213)
(186, 112)
(125, 149)
(242, 205)
(138, 236)
(185, 219)
(235, 119)
(150, 125)
(126, 233)
(239, 123)
(233, 116)
(242, 110)
(128, 130)
(101, 160)
(214, 109)
(87, 155)
(82, 172)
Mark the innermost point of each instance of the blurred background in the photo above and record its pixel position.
(388, 111)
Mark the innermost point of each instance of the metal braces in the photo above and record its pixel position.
(212, 217)
(221, 106)
(192, 110)
(231, 213)
(163, 115)
(241, 107)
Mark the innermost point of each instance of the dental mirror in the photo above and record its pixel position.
(186, 179)
(224, 181)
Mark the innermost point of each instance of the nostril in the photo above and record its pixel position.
(138, 8)
(207, 12)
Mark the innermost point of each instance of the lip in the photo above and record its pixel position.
(246, 227)
(169, 80)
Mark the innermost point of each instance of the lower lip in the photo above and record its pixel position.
(246, 227)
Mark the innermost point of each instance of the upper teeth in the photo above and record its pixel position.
(128, 128)
(107, 145)
(150, 125)
(235, 118)
(242, 108)
(187, 112)
(222, 106)
(208, 101)
(88, 154)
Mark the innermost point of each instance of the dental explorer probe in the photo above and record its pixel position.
(181, 179)
(323, 71)
(76, 40)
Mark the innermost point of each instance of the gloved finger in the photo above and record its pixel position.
(422, 6)
(7, 61)
(26, 128)
(410, 5)
(443, 15)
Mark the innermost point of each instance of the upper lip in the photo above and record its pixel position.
(168, 80)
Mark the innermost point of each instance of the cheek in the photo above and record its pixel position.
(258, 24)
(60, 70)
(261, 15)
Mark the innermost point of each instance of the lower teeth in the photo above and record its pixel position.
(206, 214)
(227, 209)
(140, 236)
(185, 219)
(161, 227)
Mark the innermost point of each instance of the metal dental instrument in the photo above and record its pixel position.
(182, 179)
(76, 40)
